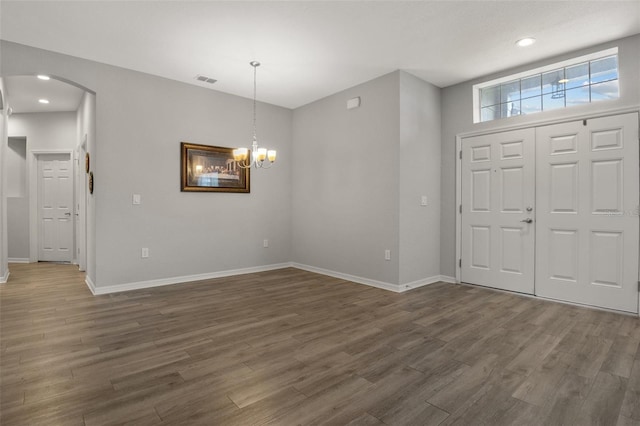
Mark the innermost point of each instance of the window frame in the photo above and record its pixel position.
(476, 88)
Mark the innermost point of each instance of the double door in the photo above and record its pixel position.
(553, 211)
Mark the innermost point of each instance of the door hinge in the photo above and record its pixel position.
(638, 286)
(460, 263)
(461, 155)
(460, 209)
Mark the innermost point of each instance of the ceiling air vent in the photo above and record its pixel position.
(205, 79)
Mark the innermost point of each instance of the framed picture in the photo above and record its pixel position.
(205, 168)
(87, 162)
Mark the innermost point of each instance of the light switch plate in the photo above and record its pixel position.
(136, 198)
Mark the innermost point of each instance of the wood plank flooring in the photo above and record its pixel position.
(290, 347)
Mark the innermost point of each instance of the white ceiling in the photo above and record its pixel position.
(24, 92)
(311, 49)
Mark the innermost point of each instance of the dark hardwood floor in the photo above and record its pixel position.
(290, 347)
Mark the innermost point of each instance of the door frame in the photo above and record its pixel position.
(505, 128)
(32, 173)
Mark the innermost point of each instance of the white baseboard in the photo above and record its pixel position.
(18, 260)
(360, 280)
(373, 283)
(423, 282)
(448, 279)
(182, 279)
(90, 284)
(4, 278)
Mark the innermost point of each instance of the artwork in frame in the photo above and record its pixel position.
(205, 168)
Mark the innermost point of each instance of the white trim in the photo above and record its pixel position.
(116, 288)
(90, 284)
(359, 280)
(18, 260)
(532, 72)
(5, 278)
(584, 115)
(551, 67)
(374, 283)
(423, 282)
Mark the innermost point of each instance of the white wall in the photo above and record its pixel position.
(140, 122)
(457, 117)
(42, 131)
(419, 175)
(4, 266)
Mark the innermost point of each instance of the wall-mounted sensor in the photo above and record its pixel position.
(353, 103)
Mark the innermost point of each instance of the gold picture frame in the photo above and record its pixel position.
(205, 168)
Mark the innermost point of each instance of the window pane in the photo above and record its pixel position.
(578, 76)
(490, 113)
(490, 96)
(608, 90)
(510, 91)
(531, 105)
(511, 109)
(531, 86)
(604, 69)
(551, 102)
(577, 96)
(551, 81)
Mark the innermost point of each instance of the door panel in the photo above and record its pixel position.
(497, 191)
(55, 201)
(587, 212)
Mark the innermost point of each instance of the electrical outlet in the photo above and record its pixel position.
(145, 252)
(423, 200)
(136, 199)
(265, 243)
(387, 255)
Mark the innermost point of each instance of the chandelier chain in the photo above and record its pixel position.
(255, 67)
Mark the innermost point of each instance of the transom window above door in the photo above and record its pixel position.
(570, 83)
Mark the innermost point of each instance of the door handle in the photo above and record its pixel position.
(527, 220)
(67, 214)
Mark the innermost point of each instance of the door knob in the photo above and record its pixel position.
(529, 208)
(527, 220)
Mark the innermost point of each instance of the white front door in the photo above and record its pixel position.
(498, 194)
(55, 208)
(587, 212)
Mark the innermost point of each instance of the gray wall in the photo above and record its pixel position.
(85, 121)
(17, 199)
(345, 192)
(457, 117)
(140, 122)
(419, 175)
(42, 131)
(359, 178)
(4, 266)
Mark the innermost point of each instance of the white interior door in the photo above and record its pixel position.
(55, 207)
(498, 194)
(587, 212)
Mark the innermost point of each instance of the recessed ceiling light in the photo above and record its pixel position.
(44, 77)
(43, 101)
(527, 41)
